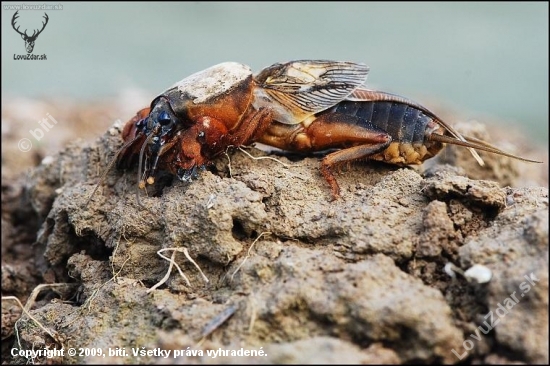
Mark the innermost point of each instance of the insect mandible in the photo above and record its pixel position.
(299, 106)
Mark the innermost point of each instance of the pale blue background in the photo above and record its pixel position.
(481, 60)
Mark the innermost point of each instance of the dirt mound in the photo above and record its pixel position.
(271, 267)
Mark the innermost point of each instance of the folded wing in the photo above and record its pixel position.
(297, 90)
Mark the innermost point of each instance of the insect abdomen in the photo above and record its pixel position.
(407, 126)
(402, 122)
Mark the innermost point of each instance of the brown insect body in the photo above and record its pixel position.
(301, 106)
(185, 128)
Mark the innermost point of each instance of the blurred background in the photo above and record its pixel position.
(482, 61)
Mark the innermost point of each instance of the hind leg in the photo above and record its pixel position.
(357, 139)
(342, 156)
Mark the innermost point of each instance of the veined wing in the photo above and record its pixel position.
(299, 89)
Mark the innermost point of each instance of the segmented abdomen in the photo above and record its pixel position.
(404, 123)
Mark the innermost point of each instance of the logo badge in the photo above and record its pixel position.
(29, 40)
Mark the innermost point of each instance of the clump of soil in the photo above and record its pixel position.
(271, 264)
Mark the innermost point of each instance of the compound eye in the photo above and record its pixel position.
(164, 118)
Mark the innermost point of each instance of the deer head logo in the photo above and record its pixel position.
(29, 40)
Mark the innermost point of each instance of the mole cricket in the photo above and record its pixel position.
(299, 106)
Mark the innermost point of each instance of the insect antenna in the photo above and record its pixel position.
(141, 182)
(473, 143)
(109, 167)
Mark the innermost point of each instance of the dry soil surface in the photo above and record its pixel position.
(264, 262)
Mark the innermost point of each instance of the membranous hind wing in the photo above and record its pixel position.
(299, 89)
